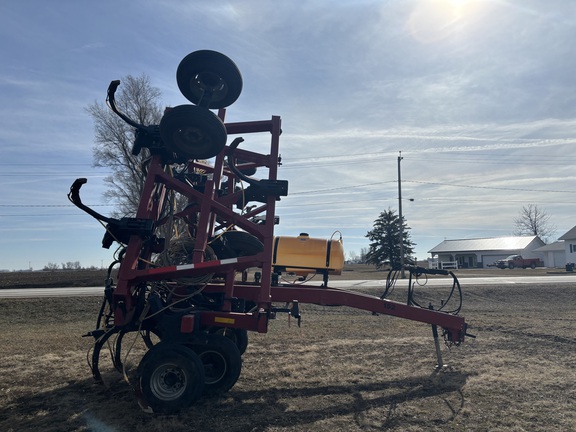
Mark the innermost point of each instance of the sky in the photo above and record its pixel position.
(479, 97)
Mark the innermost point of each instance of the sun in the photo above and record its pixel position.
(464, 6)
(434, 20)
(458, 3)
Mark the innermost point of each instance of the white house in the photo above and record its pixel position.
(484, 252)
(569, 245)
(553, 254)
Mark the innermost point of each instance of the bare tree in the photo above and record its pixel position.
(353, 257)
(533, 220)
(114, 140)
(363, 255)
(71, 265)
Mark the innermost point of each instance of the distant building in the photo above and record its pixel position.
(553, 254)
(569, 245)
(484, 252)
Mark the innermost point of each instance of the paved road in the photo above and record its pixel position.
(516, 280)
(51, 292)
(347, 284)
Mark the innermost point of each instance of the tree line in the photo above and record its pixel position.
(70, 265)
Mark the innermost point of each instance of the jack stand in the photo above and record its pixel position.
(440, 364)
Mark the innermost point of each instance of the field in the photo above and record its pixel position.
(79, 278)
(60, 278)
(343, 370)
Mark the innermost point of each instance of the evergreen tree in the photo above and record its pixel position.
(385, 240)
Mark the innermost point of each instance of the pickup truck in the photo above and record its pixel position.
(513, 261)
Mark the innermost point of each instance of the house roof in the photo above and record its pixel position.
(484, 244)
(556, 246)
(570, 235)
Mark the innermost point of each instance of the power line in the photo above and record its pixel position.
(492, 158)
(59, 174)
(42, 215)
(340, 188)
(53, 205)
(45, 164)
(488, 187)
(319, 191)
(322, 191)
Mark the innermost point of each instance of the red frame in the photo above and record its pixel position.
(136, 268)
(216, 212)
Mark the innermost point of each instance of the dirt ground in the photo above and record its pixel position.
(343, 370)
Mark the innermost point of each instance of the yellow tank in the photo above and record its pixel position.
(303, 255)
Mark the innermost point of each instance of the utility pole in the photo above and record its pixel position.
(400, 220)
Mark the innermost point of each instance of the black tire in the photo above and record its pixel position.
(510, 266)
(233, 244)
(243, 243)
(212, 70)
(193, 132)
(246, 171)
(171, 377)
(222, 363)
(532, 266)
(238, 336)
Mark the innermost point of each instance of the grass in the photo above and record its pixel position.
(343, 370)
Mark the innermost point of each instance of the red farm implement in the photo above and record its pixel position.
(194, 232)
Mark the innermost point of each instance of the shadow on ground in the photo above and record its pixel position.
(84, 405)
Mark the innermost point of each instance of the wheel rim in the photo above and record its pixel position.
(210, 73)
(168, 382)
(171, 377)
(193, 132)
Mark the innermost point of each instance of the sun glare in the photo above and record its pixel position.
(434, 20)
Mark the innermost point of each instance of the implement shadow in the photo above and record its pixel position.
(302, 406)
(63, 409)
(84, 405)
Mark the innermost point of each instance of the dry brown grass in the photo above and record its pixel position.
(343, 370)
